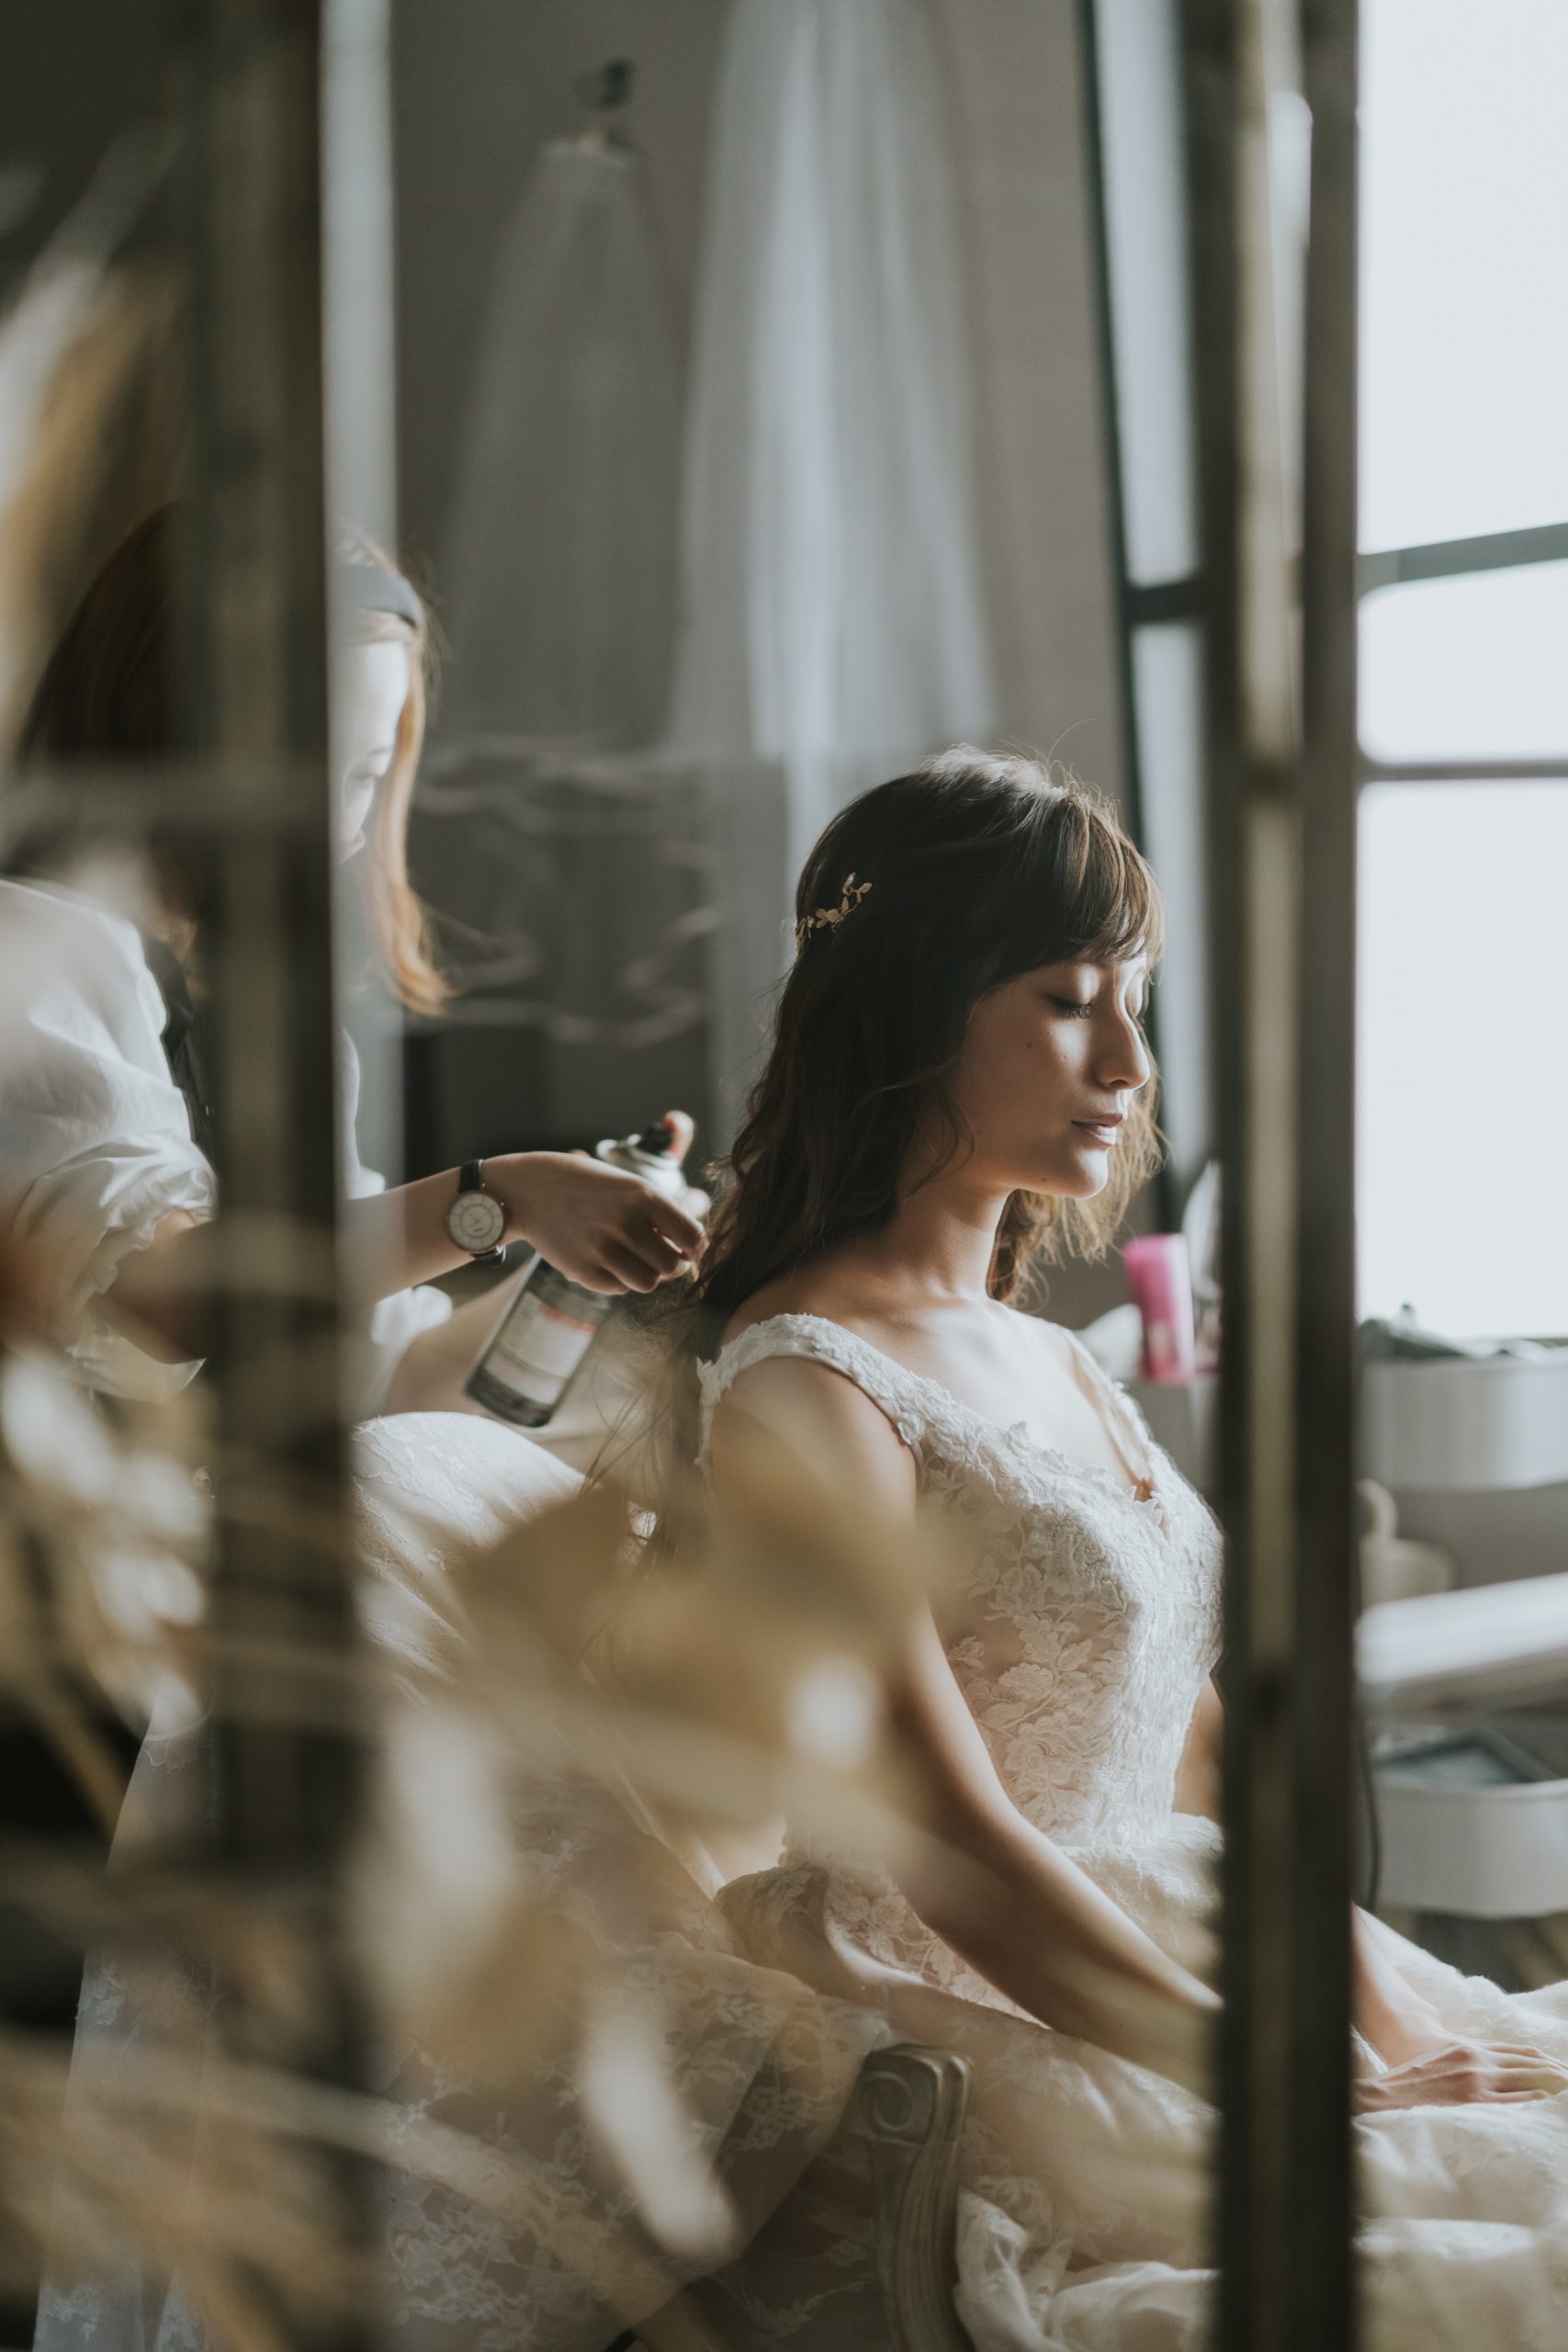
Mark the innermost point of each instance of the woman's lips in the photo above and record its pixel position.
(1101, 1131)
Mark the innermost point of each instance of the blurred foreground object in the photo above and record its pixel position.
(544, 1959)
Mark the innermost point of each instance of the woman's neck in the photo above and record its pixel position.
(942, 1238)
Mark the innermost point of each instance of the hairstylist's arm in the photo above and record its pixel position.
(600, 1226)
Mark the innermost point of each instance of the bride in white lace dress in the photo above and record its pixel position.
(959, 1074)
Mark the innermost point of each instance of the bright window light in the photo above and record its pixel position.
(1462, 1128)
(1464, 323)
(1469, 668)
(1139, 50)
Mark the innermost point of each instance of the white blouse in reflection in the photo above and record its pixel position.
(96, 1145)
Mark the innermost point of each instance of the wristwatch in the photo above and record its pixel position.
(477, 1220)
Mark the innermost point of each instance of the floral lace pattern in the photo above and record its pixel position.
(1091, 1621)
(1090, 1611)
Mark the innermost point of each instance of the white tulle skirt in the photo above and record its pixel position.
(1085, 2204)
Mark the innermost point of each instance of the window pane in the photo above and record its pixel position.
(1471, 668)
(1146, 219)
(1464, 326)
(1462, 1111)
(1168, 689)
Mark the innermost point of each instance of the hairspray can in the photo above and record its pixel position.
(537, 1349)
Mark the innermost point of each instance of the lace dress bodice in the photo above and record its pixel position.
(1091, 1614)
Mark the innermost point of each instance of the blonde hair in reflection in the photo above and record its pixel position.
(108, 692)
(400, 921)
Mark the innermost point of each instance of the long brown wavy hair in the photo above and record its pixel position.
(981, 867)
(108, 693)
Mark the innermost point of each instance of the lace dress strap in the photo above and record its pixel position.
(1122, 1418)
(907, 1401)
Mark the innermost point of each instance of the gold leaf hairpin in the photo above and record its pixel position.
(828, 918)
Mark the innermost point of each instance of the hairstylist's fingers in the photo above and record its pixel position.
(668, 1218)
(682, 1129)
(634, 1273)
(671, 1256)
(641, 1237)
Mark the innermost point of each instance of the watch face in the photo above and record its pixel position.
(476, 1221)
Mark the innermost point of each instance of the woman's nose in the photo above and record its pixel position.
(1125, 1063)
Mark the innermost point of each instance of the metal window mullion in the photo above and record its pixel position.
(1209, 73)
(255, 597)
(1324, 1696)
(1149, 603)
(1548, 771)
(1456, 558)
(1181, 597)
(1279, 810)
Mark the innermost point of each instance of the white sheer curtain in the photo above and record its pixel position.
(559, 564)
(833, 617)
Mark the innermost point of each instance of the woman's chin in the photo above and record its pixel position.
(1087, 1174)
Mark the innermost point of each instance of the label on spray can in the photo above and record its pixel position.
(531, 1360)
(540, 1349)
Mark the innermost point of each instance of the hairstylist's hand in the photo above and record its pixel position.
(1460, 2073)
(601, 1226)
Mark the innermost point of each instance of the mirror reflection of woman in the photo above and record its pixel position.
(107, 1182)
(108, 1167)
(959, 1085)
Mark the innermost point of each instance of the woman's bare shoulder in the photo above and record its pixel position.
(820, 1413)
